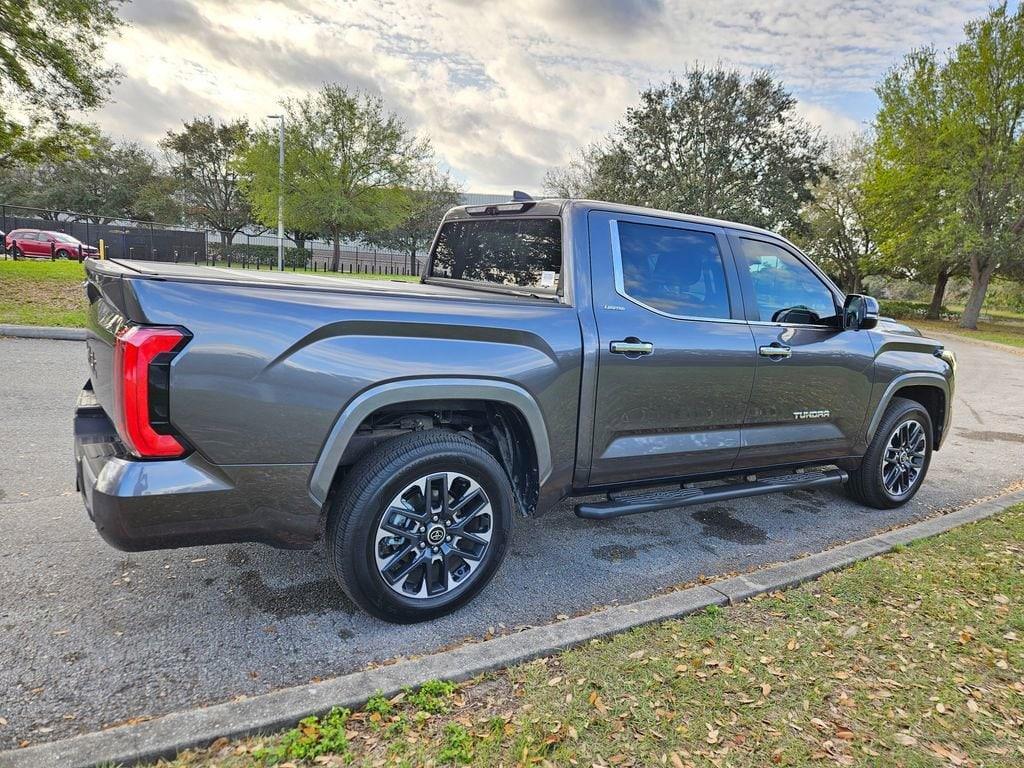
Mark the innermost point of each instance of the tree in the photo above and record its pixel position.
(713, 143)
(429, 200)
(105, 180)
(203, 157)
(581, 176)
(917, 223)
(948, 179)
(839, 233)
(348, 166)
(984, 86)
(51, 65)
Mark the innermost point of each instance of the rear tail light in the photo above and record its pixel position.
(142, 357)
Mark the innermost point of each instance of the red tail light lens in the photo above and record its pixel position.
(140, 389)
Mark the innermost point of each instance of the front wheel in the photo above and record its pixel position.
(897, 459)
(420, 526)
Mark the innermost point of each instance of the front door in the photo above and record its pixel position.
(676, 361)
(813, 380)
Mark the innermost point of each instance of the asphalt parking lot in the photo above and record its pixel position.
(91, 637)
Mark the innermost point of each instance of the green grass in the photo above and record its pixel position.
(50, 292)
(999, 326)
(911, 659)
(1000, 333)
(42, 293)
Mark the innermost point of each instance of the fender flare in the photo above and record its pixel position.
(410, 391)
(922, 378)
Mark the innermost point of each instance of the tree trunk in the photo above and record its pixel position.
(855, 282)
(336, 257)
(981, 274)
(224, 243)
(935, 308)
(412, 261)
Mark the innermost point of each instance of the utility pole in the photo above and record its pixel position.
(280, 190)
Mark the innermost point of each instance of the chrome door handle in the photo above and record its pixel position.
(775, 351)
(632, 347)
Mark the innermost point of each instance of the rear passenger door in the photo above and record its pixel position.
(29, 244)
(676, 360)
(813, 380)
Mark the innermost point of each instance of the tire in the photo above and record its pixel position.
(905, 423)
(62, 254)
(386, 487)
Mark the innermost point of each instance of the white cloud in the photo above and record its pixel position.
(832, 123)
(505, 90)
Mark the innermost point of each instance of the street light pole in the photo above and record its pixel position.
(280, 190)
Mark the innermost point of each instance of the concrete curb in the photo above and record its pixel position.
(170, 734)
(43, 332)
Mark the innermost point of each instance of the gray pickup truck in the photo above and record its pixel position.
(552, 348)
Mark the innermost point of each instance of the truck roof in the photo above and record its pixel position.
(553, 206)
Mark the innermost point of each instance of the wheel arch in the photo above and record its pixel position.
(930, 390)
(509, 404)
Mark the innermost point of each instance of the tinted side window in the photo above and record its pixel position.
(785, 289)
(678, 271)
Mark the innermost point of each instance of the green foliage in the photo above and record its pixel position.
(429, 199)
(458, 745)
(51, 65)
(348, 166)
(102, 178)
(314, 736)
(432, 696)
(948, 174)
(839, 234)
(203, 155)
(713, 143)
(264, 255)
(378, 704)
(913, 310)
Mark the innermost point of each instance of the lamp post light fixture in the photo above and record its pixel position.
(280, 190)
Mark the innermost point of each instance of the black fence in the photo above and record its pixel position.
(315, 255)
(122, 238)
(151, 241)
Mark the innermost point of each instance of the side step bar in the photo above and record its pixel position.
(617, 506)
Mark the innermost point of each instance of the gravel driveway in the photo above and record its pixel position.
(90, 636)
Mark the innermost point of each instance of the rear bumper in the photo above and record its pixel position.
(141, 505)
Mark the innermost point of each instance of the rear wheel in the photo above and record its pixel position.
(419, 526)
(897, 459)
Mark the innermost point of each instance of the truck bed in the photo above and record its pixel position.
(158, 270)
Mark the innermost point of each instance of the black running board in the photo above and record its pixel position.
(617, 506)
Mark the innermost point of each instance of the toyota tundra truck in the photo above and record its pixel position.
(643, 359)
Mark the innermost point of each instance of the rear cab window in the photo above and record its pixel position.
(520, 254)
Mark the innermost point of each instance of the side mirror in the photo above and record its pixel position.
(860, 312)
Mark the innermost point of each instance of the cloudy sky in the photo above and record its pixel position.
(504, 89)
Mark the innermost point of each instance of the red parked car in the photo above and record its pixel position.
(35, 244)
